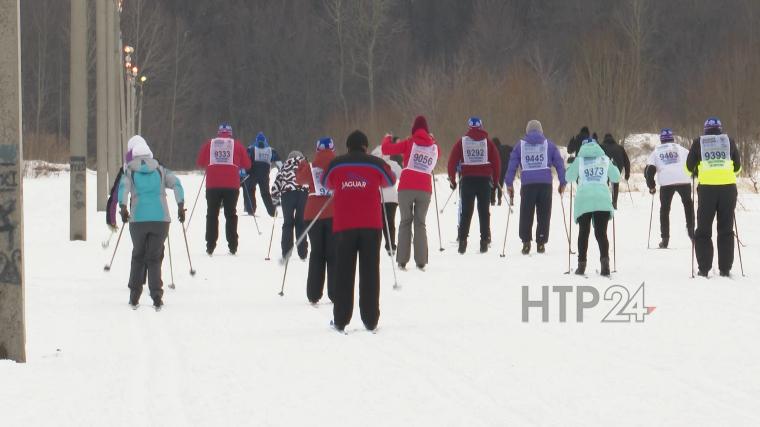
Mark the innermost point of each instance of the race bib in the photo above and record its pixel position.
(222, 150)
(423, 159)
(534, 156)
(262, 154)
(474, 152)
(667, 154)
(716, 152)
(319, 190)
(593, 170)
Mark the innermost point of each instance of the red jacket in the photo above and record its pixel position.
(223, 176)
(492, 168)
(355, 179)
(304, 177)
(411, 179)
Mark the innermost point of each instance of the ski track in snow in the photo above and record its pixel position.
(450, 350)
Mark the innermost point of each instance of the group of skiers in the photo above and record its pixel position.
(348, 202)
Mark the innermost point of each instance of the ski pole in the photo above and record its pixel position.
(693, 238)
(246, 193)
(286, 259)
(388, 230)
(628, 183)
(171, 266)
(447, 201)
(738, 246)
(569, 249)
(197, 196)
(570, 228)
(437, 218)
(651, 213)
(118, 239)
(614, 246)
(187, 247)
(106, 243)
(271, 237)
(504, 245)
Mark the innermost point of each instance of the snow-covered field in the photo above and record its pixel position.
(451, 348)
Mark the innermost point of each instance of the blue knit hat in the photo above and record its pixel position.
(475, 123)
(713, 123)
(589, 141)
(666, 135)
(225, 130)
(325, 143)
(261, 140)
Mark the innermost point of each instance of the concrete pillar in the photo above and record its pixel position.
(101, 41)
(114, 155)
(12, 330)
(78, 122)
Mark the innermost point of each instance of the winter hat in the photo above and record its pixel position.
(534, 126)
(589, 141)
(475, 123)
(140, 147)
(224, 131)
(131, 145)
(584, 133)
(357, 141)
(666, 135)
(261, 140)
(714, 124)
(420, 123)
(325, 143)
(293, 154)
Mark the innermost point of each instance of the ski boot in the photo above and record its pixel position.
(540, 248)
(526, 248)
(402, 266)
(158, 304)
(725, 273)
(484, 246)
(581, 270)
(421, 267)
(664, 243)
(605, 271)
(462, 245)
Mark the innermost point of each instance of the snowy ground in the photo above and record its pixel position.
(451, 349)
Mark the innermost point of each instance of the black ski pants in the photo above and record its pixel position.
(476, 187)
(389, 212)
(615, 192)
(535, 200)
(720, 201)
(600, 219)
(321, 260)
(666, 197)
(215, 199)
(293, 207)
(258, 176)
(364, 244)
(147, 254)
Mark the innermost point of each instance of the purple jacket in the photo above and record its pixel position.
(540, 176)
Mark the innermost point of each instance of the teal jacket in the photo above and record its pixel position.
(593, 192)
(146, 182)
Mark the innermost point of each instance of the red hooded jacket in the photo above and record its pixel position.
(304, 177)
(492, 168)
(223, 176)
(411, 179)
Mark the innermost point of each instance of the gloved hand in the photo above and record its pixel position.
(570, 160)
(452, 185)
(627, 175)
(511, 192)
(493, 196)
(499, 194)
(276, 201)
(652, 190)
(561, 189)
(124, 213)
(242, 173)
(181, 212)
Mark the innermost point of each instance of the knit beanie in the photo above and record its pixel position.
(534, 126)
(420, 123)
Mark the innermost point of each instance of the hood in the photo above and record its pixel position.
(142, 165)
(420, 123)
(261, 141)
(477, 134)
(422, 138)
(591, 149)
(609, 140)
(534, 137)
(323, 158)
(378, 152)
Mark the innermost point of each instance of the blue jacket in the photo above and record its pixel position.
(145, 183)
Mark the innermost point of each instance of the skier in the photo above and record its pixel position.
(480, 172)
(322, 254)
(715, 160)
(144, 185)
(592, 170)
(355, 179)
(291, 196)
(113, 195)
(575, 143)
(415, 189)
(390, 201)
(619, 157)
(535, 155)
(222, 157)
(504, 152)
(262, 157)
(668, 161)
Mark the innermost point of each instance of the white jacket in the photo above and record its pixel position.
(390, 194)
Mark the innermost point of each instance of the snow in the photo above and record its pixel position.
(451, 348)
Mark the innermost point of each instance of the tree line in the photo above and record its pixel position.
(301, 69)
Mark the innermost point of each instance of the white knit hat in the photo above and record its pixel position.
(534, 125)
(139, 147)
